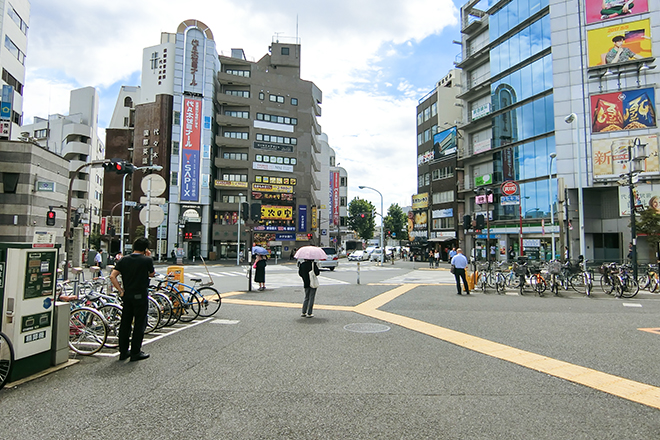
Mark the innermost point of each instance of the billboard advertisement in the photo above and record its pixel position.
(602, 10)
(194, 59)
(302, 218)
(619, 43)
(191, 134)
(645, 197)
(611, 155)
(444, 143)
(420, 201)
(626, 110)
(335, 198)
(270, 212)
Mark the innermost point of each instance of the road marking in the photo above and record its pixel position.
(631, 304)
(650, 330)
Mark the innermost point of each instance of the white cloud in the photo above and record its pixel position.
(100, 43)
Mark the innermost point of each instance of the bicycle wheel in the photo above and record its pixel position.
(606, 284)
(153, 315)
(644, 281)
(539, 284)
(165, 306)
(577, 282)
(88, 331)
(190, 306)
(112, 315)
(629, 287)
(500, 284)
(210, 301)
(6, 359)
(512, 280)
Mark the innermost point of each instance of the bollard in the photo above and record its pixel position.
(358, 272)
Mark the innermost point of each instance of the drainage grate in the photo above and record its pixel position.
(366, 328)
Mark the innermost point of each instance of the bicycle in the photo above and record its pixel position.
(6, 359)
(624, 283)
(188, 302)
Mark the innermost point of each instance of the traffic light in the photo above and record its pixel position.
(309, 236)
(467, 222)
(245, 211)
(480, 222)
(119, 166)
(255, 212)
(187, 235)
(50, 218)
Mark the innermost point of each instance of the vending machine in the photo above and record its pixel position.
(27, 297)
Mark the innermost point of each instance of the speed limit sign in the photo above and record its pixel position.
(509, 188)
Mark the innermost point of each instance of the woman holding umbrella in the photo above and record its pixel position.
(309, 254)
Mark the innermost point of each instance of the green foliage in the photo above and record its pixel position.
(396, 222)
(95, 240)
(366, 226)
(649, 224)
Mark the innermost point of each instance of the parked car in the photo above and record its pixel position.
(358, 256)
(332, 259)
(370, 249)
(376, 254)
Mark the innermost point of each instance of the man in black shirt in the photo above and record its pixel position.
(135, 271)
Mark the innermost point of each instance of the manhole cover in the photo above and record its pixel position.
(366, 328)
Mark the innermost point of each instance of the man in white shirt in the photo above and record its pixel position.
(98, 260)
(459, 262)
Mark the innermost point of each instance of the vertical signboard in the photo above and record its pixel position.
(7, 99)
(194, 62)
(190, 149)
(335, 199)
(302, 218)
(331, 194)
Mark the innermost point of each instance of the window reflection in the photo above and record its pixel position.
(529, 41)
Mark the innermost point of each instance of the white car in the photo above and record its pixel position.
(358, 256)
(376, 254)
(332, 259)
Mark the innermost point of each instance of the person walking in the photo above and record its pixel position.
(98, 261)
(459, 263)
(452, 253)
(260, 271)
(511, 254)
(310, 292)
(135, 271)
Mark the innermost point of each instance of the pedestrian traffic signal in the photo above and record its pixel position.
(119, 166)
(481, 224)
(245, 211)
(467, 222)
(50, 218)
(255, 212)
(309, 236)
(187, 235)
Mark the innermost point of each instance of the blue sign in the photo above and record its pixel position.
(7, 98)
(509, 200)
(302, 218)
(285, 237)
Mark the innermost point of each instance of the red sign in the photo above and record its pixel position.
(335, 199)
(103, 226)
(509, 188)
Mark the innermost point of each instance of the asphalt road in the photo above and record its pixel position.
(399, 356)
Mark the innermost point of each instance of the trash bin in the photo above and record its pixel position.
(177, 272)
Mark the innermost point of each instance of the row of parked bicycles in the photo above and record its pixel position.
(554, 276)
(96, 308)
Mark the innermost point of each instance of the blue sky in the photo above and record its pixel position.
(372, 59)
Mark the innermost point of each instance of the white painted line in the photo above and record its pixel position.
(225, 321)
(631, 304)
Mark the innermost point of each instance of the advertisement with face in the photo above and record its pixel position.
(611, 155)
(646, 197)
(601, 10)
(619, 43)
(627, 110)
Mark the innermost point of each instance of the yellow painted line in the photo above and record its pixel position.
(384, 298)
(250, 302)
(650, 330)
(608, 383)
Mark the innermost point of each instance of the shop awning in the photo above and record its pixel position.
(440, 239)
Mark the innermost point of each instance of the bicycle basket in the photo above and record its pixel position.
(554, 268)
(519, 269)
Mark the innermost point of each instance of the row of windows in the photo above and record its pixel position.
(427, 113)
(17, 19)
(235, 156)
(523, 162)
(276, 139)
(235, 114)
(443, 197)
(443, 223)
(511, 15)
(277, 119)
(241, 93)
(535, 202)
(232, 199)
(276, 180)
(427, 135)
(531, 80)
(235, 135)
(41, 134)
(529, 41)
(14, 50)
(11, 81)
(235, 177)
(277, 98)
(442, 173)
(527, 121)
(276, 159)
(245, 73)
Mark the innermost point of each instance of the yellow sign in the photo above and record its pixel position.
(265, 187)
(269, 212)
(420, 201)
(315, 223)
(230, 184)
(619, 43)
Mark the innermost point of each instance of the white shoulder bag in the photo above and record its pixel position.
(313, 279)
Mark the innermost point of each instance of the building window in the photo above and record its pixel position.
(443, 223)
(175, 148)
(20, 56)
(244, 73)
(262, 96)
(420, 118)
(275, 159)
(276, 98)
(177, 118)
(420, 181)
(11, 81)
(126, 122)
(342, 201)
(427, 135)
(128, 102)
(234, 114)
(427, 113)
(41, 134)
(342, 181)
(294, 101)
(434, 109)
(442, 173)
(175, 178)
(241, 93)
(232, 199)
(277, 119)
(235, 135)
(235, 156)
(10, 182)
(420, 138)
(276, 139)
(427, 179)
(443, 197)
(235, 177)
(285, 51)
(18, 20)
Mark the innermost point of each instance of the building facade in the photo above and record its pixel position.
(13, 29)
(332, 197)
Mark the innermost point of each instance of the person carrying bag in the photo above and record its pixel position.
(308, 271)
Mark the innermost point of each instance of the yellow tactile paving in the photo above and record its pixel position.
(608, 383)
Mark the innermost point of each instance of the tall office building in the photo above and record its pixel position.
(13, 29)
(333, 197)
(226, 130)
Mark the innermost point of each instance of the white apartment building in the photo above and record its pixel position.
(14, 29)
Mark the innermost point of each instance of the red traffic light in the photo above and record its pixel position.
(188, 235)
(50, 218)
(309, 236)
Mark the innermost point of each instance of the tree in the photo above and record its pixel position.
(649, 224)
(396, 222)
(361, 214)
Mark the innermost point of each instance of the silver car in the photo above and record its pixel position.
(332, 259)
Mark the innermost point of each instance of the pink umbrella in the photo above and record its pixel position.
(310, 253)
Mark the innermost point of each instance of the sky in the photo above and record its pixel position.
(373, 61)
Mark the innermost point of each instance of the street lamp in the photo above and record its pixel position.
(382, 224)
(636, 160)
(238, 237)
(488, 195)
(552, 214)
(569, 120)
(123, 202)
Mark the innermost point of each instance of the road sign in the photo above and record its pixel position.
(154, 200)
(156, 216)
(130, 203)
(509, 200)
(158, 185)
(509, 188)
